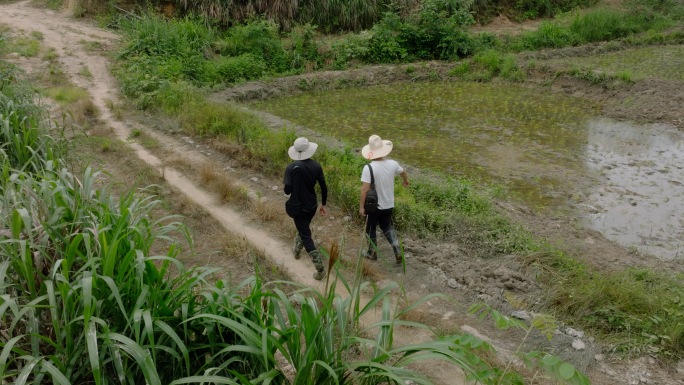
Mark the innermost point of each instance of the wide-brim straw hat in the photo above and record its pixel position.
(302, 149)
(376, 148)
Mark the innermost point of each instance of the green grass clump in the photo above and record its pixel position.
(635, 311)
(663, 62)
(608, 24)
(24, 144)
(602, 24)
(550, 34)
(260, 39)
(485, 65)
(67, 94)
(24, 46)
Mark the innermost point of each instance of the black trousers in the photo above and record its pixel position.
(303, 224)
(382, 218)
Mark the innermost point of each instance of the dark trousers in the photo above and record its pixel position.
(302, 223)
(382, 218)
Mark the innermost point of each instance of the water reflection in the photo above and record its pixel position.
(639, 201)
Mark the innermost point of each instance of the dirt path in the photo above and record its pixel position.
(431, 269)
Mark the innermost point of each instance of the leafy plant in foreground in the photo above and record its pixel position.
(552, 365)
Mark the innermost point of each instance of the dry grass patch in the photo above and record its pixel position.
(266, 210)
(218, 182)
(227, 148)
(82, 112)
(115, 108)
(179, 162)
(236, 250)
(369, 270)
(209, 173)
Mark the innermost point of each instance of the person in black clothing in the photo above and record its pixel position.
(311, 172)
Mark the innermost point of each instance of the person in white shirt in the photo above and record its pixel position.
(384, 171)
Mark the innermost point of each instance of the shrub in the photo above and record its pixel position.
(155, 36)
(259, 38)
(436, 30)
(386, 44)
(548, 35)
(232, 69)
(607, 24)
(353, 48)
(304, 48)
(460, 69)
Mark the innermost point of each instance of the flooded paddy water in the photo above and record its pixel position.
(550, 152)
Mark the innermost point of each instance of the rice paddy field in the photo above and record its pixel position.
(658, 62)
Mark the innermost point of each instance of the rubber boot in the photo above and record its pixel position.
(318, 263)
(371, 253)
(297, 246)
(393, 240)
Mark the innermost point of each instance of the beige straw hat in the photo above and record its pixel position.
(302, 149)
(376, 148)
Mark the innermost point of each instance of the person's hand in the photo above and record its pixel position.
(362, 211)
(405, 183)
(323, 210)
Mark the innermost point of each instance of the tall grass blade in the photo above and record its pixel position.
(141, 356)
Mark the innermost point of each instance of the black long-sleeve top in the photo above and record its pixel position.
(312, 172)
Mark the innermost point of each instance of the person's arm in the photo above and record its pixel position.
(364, 190)
(404, 178)
(324, 193)
(287, 182)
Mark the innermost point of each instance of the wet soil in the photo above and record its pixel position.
(451, 266)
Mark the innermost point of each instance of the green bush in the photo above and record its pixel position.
(485, 65)
(460, 69)
(155, 36)
(259, 38)
(607, 24)
(304, 51)
(386, 44)
(437, 30)
(226, 69)
(434, 31)
(352, 49)
(548, 35)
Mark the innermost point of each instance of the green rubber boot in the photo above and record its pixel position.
(318, 263)
(297, 247)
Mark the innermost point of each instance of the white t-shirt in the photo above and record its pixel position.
(384, 172)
